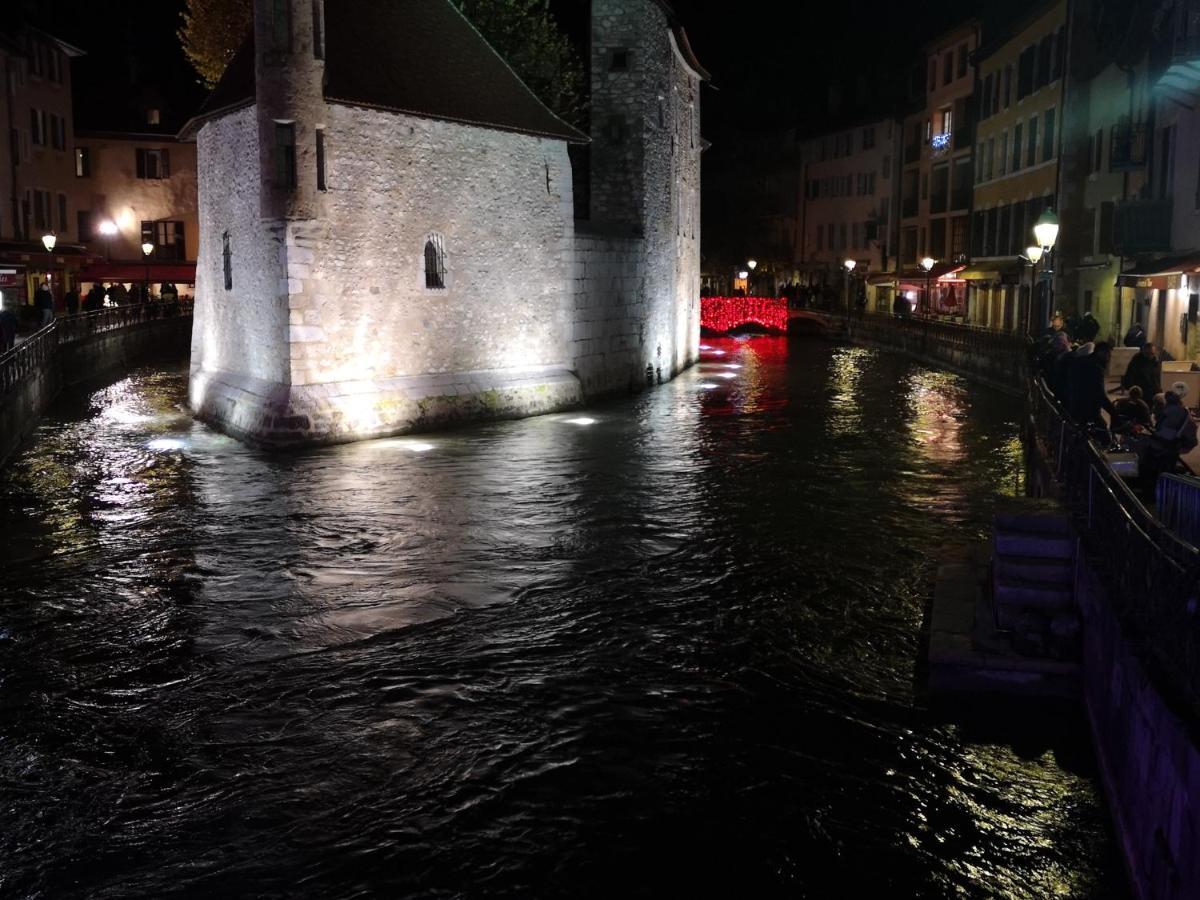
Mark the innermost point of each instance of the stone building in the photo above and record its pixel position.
(36, 177)
(388, 239)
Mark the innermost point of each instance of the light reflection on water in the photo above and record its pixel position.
(529, 658)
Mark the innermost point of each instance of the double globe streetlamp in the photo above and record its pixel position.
(1045, 235)
(927, 264)
(849, 264)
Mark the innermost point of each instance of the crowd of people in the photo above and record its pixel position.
(43, 309)
(1152, 422)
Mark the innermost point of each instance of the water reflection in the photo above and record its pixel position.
(527, 658)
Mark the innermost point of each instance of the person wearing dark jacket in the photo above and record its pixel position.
(1135, 336)
(1088, 328)
(1085, 385)
(1145, 371)
(94, 299)
(1131, 411)
(72, 301)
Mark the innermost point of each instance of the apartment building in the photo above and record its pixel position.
(1016, 165)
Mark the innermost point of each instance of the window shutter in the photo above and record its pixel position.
(141, 163)
(166, 164)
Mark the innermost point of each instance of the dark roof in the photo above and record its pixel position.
(681, 38)
(414, 56)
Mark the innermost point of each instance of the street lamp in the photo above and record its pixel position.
(48, 241)
(1033, 254)
(849, 264)
(107, 229)
(147, 249)
(1045, 233)
(927, 264)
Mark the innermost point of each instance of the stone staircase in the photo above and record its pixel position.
(1004, 619)
(1032, 580)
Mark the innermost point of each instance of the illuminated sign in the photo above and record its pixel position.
(940, 141)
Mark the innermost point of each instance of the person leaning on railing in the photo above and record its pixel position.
(8, 326)
(1086, 395)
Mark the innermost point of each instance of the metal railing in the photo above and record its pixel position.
(41, 348)
(952, 334)
(1152, 575)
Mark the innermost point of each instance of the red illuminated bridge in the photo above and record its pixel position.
(723, 314)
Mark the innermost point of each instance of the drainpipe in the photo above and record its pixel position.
(12, 130)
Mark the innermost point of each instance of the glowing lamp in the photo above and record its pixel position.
(107, 228)
(927, 263)
(850, 264)
(48, 241)
(147, 248)
(743, 274)
(752, 263)
(1033, 254)
(1046, 229)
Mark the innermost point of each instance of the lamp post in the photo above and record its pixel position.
(1033, 254)
(1045, 233)
(751, 264)
(107, 229)
(927, 264)
(849, 264)
(147, 249)
(48, 241)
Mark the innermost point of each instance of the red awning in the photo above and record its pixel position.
(156, 272)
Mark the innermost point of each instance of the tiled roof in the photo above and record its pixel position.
(413, 56)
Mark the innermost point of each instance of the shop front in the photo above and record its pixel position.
(1163, 296)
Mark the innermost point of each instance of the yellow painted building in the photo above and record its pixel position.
(1017, 149)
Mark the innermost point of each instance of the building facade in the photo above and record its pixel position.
(387, 242)
(36, 173)
(132, 189)
(1016, 164)
(937, 173)
(849, 207)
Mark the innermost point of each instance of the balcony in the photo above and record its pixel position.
(1142, 226)
(1127, 147)
(1179, 54)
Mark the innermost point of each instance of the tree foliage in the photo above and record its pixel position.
(211, 33)
(523, 32)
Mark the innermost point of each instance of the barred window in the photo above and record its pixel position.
(435, 262)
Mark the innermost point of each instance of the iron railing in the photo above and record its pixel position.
(41, 348)
(1152, 575)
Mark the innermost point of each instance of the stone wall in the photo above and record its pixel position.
(1148, 756)
(76, 362)
(609, 313)
(997, 360)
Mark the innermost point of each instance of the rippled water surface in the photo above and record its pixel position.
(671, 652)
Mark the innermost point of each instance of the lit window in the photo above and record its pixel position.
(435, 262)
(83, 162)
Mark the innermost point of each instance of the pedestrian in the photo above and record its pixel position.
(43, 301)
(8, 326)
(1174, 434)
(1132, 412)
(1135, 336)
(95, 298)
(1089, 328)
(72, 301)
(118, 295)
(1144, 370)
(1085, 385)
(1054, 366)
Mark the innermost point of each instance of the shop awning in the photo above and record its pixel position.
(154, 271)
(1160, 274)
(1001, 270)
(883, 279)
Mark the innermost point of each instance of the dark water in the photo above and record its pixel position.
(669, 653)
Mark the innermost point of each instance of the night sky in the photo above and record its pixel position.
(771, 62)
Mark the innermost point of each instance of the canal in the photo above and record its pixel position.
(664, 646)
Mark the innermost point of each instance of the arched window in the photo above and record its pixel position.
(435, 262)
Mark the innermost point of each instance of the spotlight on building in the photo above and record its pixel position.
(107, 228)
(581, 420)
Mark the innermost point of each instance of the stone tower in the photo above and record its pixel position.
(289, 67)
(645, 167)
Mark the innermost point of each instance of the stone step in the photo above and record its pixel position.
(1033, 523)
(1012, 597)
(1034, 544)
(1040, 569)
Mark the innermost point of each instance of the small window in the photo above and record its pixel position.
(1048, 136)
(281, 25)
(153, 164)
(320, 159)
(153, 117)
(318, 15)
(285, 155)
(62, 213)
(435, 263)
(618, 60)
(83, 162)
(83, 221)
(227, 260)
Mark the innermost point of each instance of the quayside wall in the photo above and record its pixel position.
(76, 348)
